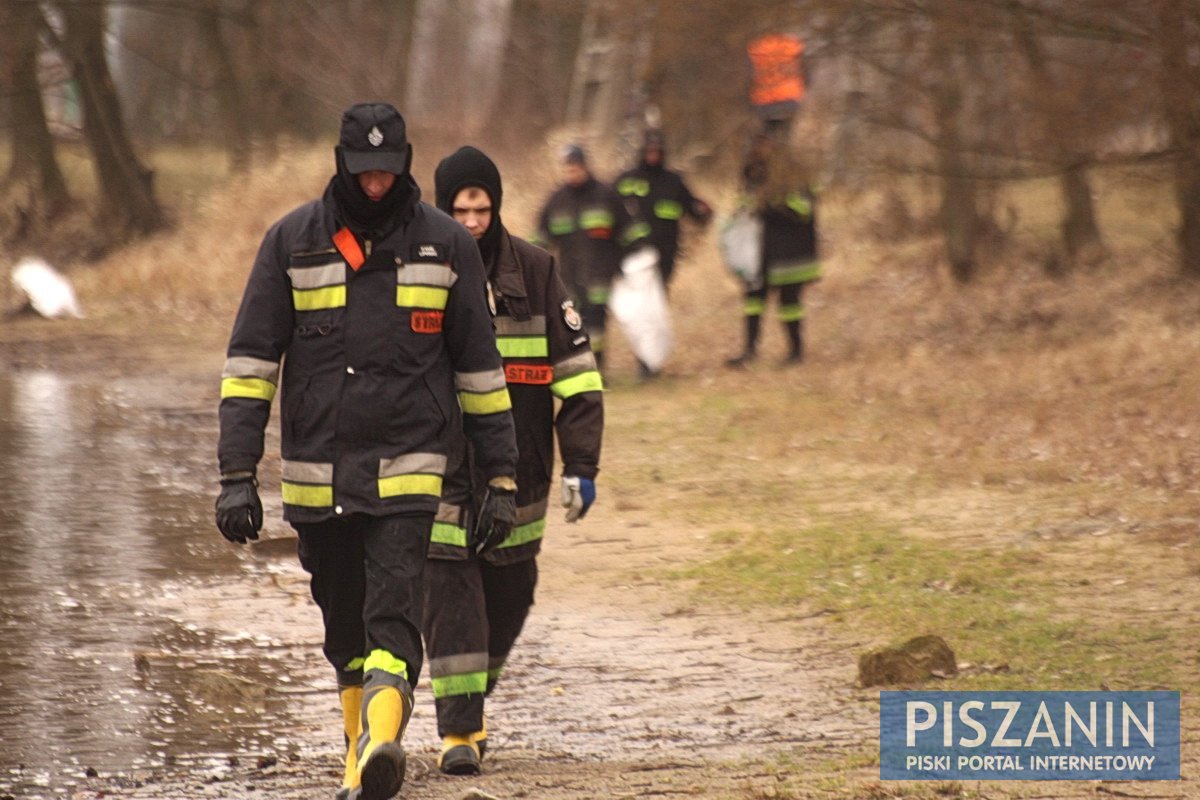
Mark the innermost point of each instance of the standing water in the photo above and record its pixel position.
(106, 491)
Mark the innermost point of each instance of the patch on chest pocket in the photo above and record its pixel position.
(427, 321)
(428, 252)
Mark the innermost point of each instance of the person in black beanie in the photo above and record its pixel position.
(369, 309)
(478, 593)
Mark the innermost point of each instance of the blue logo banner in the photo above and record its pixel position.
(1038, 736)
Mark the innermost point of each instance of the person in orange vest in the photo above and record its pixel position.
(778, 85)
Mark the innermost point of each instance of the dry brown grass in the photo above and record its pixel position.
(1015, 378)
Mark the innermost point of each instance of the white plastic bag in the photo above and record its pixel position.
(48, 290)
(741, 246)
(639, 304)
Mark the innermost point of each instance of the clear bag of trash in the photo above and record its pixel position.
(639, 304)
(741, 246)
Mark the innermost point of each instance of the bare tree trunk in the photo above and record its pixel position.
(1080, 232)
(235, 127)
(539, 60)
(399, 18)
(33, 155)
(1180, 81)
(126, 185)
(959, 212)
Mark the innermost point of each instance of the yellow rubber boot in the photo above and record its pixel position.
(381, 760)
(479, 737)
(460, 755)
(351, 697)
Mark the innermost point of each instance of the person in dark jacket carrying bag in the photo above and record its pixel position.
(375, 304)
(478, 591)
(779, 191)
(660, 197)
(587, 225)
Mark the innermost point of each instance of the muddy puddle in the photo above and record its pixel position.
(101, 522)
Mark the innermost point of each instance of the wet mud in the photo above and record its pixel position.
(142, 656)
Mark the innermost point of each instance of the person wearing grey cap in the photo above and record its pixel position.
(368, 308)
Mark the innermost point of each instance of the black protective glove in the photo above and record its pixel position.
(239, 511)
(497, 514)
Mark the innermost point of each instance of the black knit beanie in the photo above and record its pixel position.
(467, 167)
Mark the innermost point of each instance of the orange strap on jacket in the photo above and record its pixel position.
(347, 245)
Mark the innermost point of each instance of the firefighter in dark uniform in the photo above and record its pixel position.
(589, 226)
(476, 602)
(660, 197)
(375, 304)
(780, 193)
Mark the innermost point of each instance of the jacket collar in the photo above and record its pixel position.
(507, 276)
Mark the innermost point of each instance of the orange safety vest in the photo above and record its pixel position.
(776, 62)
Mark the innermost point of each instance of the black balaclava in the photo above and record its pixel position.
(462, 169)
(373, 136)
(654, 138)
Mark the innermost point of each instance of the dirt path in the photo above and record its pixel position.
(618, 684)
(623, 684)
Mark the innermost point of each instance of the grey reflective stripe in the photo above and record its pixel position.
(318, 276)
(248, 367)
(458, 664)
(534, 326)
(308, 472)
(488, 381)
(573, 365)
(532, 513)
(426, 463)
(426, 275)
(448, 513)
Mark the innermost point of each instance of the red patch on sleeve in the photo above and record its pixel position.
(535, 374)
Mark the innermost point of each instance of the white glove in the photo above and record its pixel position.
(578, 494)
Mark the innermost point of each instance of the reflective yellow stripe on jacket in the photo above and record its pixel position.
(319, 286)
(424, 285)
(482, 392)
(252, 378)
(668, 209)
(576, 374)
(633, 186)
(529, 526)
(307, 483)
(522, 338)
(412, 473)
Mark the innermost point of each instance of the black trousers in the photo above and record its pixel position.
(366, 577)
(474, 611)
